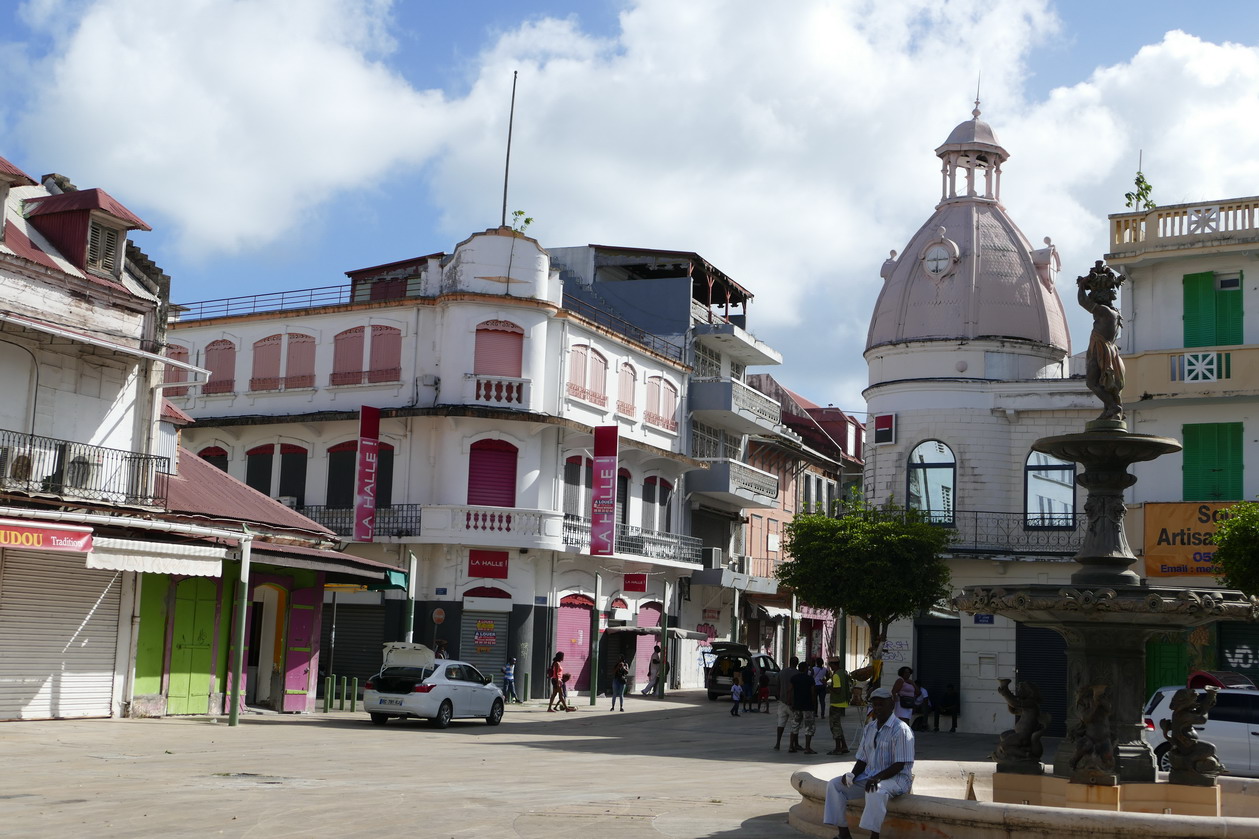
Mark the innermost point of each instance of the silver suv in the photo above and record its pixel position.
(1232, 727)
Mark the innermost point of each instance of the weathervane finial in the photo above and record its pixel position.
(978, 79)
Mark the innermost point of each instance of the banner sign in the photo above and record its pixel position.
(365, 475)
(491, 564)
(1180, 538)
(635, 582)
(603, 494)
(45, 539)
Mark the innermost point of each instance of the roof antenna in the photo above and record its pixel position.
(978, 78)
(507, 164)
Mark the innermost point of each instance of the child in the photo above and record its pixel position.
(564, 693)
(762, 693)
(736, 694)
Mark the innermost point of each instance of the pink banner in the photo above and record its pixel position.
(603, 494)
(45, 538)
(365, 478)
(634, 582)
(492, 564)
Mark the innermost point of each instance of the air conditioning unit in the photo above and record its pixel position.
(287, 500)
(713, 558)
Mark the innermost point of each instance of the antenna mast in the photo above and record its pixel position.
(511, 118)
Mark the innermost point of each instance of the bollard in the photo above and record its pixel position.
(525, 695)
(327, 693)
(341, 704)
(353, 694)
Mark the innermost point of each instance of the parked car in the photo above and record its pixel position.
(412, 682)
(1232, 727)
(1220, 679)
(730, 658)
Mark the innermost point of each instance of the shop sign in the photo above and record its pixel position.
(365, 474)
(45, 539)
(492, 564)
(603, 493)
(712, 614)
(1180, 538)
(635, 582)
(485, 637)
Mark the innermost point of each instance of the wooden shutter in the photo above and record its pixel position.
(342, 460)
(299, 369)
(386, 355)
(266, 364)
(597, 375)
(1199, 313)
(1212, 461)
(293, 461)
(622, 497)
(649, 504)
(653, 395)
(492, 474)
(499, 349)
(220, 360)
(572, 487)
(175, 374)
(258, 468)
(347, 357)
(577, 365)
(1228, 316)
(664, 522)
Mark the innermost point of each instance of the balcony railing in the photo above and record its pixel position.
(278, 301)
(753, 480)
(398, 521)
(80, 472)
(637, 541)
(500, 390)
(663, 346)
(991, 532)
(1182, 224)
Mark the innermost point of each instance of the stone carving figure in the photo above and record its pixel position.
(1193, 761)
(1104, 374)
(1094, 759)
(1019, 749)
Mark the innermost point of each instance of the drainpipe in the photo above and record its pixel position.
(238, 631)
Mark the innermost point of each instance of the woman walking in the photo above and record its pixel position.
(556, 674)
(620, 675)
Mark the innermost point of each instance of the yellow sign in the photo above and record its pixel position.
(1180, 538)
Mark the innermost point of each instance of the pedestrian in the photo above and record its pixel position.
(840, 690)
(564, 703)
(762, 693)
(949, 704)
(736, 693)
(821, 678)
(885, 761)
(555, 673)
(653, 671)
(803, 714)
(440, 652)
(906, 693)
(922, 707)
(749, 680)
(620, 676)
(784, 700)
(509, 682)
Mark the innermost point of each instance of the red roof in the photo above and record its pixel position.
(20, 244)
(14, 174)
(172, 414)
(203, 490)
(84, 199)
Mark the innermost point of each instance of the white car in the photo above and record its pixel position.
(413, 683)
(1232, 727)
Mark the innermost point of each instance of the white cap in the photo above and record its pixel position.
(880, 693)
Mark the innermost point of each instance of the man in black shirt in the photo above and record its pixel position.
(784, 699)
(803, 709)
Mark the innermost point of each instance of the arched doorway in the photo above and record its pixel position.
(572, 638)
(648, 615)
(483, 636)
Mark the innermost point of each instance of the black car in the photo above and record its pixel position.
(730, 658)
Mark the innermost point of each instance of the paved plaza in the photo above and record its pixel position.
(677, 767)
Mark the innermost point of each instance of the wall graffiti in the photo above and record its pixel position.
(896, 651)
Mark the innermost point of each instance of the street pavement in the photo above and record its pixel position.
(674, 767)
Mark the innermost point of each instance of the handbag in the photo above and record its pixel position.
(907, 701)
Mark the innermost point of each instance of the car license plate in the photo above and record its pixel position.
(390, 702)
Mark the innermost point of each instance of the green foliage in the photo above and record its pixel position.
(877, 564)
(1139, 198)
(520, 222)
(1237, 548)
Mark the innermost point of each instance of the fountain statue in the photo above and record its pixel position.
(1107, 612)
(1193, 761)
(1019, 749)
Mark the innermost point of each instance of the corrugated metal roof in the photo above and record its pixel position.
(203, 490)
(16, 175)
(84, 199)
(17, 241)
(173, 414)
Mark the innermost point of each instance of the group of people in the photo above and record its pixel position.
(620, 681)
(802, 689)
(914, 704)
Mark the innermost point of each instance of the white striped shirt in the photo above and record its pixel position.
(882, 746)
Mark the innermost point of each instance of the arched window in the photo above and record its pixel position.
(299, 367)
(176, 374)
(220, 360)
(386, 355)
(499, 349)
(492, 474)
(588, 374)
(347, 357)
(662, 404)
(216, 456)
(291, 480)
(1049, 490)
(932, 477)
(622, 497)
(266, 368)
(343, 475)
(578, 483)
(657, 505)
(626, 394)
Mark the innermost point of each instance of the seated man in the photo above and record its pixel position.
(882, 771)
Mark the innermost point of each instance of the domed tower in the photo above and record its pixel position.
(966, 310)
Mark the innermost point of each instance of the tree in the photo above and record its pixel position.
(877, 564)
(1237, 548)
(1139, 198)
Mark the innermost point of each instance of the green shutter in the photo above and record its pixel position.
(1228, 317)
(1199, 317)
(1212, 462)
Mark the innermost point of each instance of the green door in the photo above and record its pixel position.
(191, 649)
(1166, 663)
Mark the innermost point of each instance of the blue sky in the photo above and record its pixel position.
(275, 145)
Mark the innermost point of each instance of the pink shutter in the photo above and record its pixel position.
(668, 401)
(597, 379)
(175, 374)
(648, 615)
(386, 355)
(499, 349)
(266, 375)
(572, 637)
(299, 369)
(577, 367)
(625, 391)
(492, 474)
(220, 360)
(347, 357)
(653, 395)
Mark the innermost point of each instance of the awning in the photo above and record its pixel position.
(157, 557)
(316, 559)
(725, 578)
(393, 580)
(770, 611)
(674, 632)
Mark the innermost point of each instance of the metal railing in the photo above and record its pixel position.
(398, 521)
(750, 399)
(663, 346)
(981, 531)
(81, 472)
(276, 301)
(637, 541)
(753, 480)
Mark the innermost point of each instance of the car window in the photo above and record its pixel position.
(407, 672)
(1234, 707)
(472, 674)
(454, 672)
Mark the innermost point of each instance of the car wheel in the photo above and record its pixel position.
(380, 719)
(496, 713)
(444, 713)
(1161, 758)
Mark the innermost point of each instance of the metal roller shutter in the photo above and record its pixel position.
(572, 638)
(360, 638)
(939, 657)
(644, 645)
(58, 636)
(1041, 658)
(483, 642)
(1239, 649)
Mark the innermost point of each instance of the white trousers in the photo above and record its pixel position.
(838, 796)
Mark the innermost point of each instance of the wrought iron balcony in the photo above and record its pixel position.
(398, 521)
(637, 541)
(985, 532)
(80, 472)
